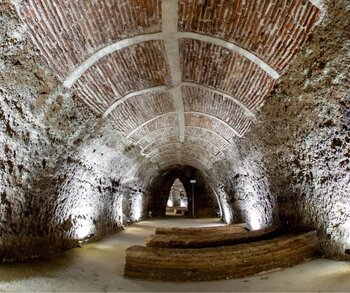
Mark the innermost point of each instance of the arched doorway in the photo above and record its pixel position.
(159, 190)
(177, 204)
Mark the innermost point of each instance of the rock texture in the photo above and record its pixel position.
(62, 167)
(302, 134)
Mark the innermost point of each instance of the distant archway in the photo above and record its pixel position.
(206, 204)
(177, 204)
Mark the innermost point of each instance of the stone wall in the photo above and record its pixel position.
(292, 168)
(248, 188)
(62, 167)
(303, 133)
(93, 197)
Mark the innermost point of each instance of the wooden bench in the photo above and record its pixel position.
(179, 265)
(201, 240)
(235, 228)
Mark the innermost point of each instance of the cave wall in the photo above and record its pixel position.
(303, 135)
(292, 168)
(248, 188)
(93, 198)
(62, 167)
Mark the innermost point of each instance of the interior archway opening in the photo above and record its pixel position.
(177, 204)
(206, 203)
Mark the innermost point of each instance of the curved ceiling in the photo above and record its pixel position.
(181, 79)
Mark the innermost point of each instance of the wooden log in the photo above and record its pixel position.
(209, 240)
(225, 262)
(235, 228)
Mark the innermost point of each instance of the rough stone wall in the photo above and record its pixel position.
(37, 126)
(57, 181)
(248, 189)
(304, 133)
(93, 199)
(293, 167)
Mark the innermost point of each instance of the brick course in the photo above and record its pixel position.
(67, 32)
(273, 30)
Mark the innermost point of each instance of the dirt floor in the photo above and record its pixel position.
(99, 267)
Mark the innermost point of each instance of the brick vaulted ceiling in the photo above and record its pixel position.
(180, 79)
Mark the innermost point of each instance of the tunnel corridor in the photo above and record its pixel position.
(103, 104)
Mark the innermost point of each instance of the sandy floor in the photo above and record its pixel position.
(99, 267)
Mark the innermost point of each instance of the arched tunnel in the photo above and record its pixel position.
(103, 104)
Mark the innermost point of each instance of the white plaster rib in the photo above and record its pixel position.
(218, 149)
(170, 17)
(185, 160)
(214, 158)
(318, 3)
(149, 121)
(163, 146)
(188, 126)
(82, 68)
(159, 139)
(190, 136)
(133, 94)
(231, 46)
(210, 131)
(191, 112)
(155, 131)
(215, 118)
(246, 110)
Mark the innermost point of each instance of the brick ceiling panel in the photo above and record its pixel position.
(199, 163)
(198, 120)
(180, 78)
(224, 70)
(203, 133)
(174, 148)
(163, 141)
(185, 158)
(199, 100)
(139, 109)
(186, 149)
(273, 30)
(165, 148)
(158, 134)
(170, 120)
(170, 144)
(67, 32)
(207, 144)
(131, 69)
